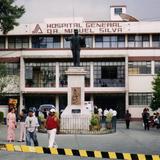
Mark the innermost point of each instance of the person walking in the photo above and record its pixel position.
(127, 119)
(11, 125)
(31, 124)
(145, 116)
(52, 124)
(22, 118)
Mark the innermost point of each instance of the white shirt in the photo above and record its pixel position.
(31, 123)
(100, 111)
(114, 113)
(105, 112)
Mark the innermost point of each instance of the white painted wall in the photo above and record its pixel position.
(136, 112)
(140, 83)
(4, 109)
(110, 27)
(113, 16)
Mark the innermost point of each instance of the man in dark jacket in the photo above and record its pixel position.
(127, 119)
(145, 116)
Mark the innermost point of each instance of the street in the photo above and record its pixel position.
(134, 140)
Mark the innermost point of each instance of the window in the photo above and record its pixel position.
(40, 74)
(88, 40)
(18, 42)
(156, 40)
(63, 66)
(140, 98)
(66, 44)
(11, 68)
(157, 67)
(46, 42)
(113, 41)
(139, 68)
(109, 74)
(2, 42)
(138, 41)
(117, 11)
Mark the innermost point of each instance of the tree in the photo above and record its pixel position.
(155, 103)
(8, 15)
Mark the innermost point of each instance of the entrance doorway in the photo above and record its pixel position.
(111, 101)
(35, 100)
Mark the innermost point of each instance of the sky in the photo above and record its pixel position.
(38, 10)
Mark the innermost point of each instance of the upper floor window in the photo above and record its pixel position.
(88, 40)
(46, 42)
(139, 68)
(138, 41)
(2, 42)
(156, 40)
(157, 67)
(117, 11)
(40, 74)
(111, 41)
(109, 74)
(18, 42)
(10, 68)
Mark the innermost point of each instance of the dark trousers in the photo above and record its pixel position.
(127, 124)
(146, 125)
(31, 136)
(114, 119)
(76, 57)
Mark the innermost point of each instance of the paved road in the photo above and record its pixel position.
(135, 140)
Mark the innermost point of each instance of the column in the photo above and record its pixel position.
(62, 42)
(30, 42)
(21, 106)
(126, 41)
(57, 103)
(57, 75)
(6, 43)
(152, 67)
(92, 74)
(94, 44)
(150, 40)
(126, 80)
(92, 98)
(22, 82)
(22, 74)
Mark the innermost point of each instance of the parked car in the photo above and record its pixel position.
(46, 107)
(42, 115)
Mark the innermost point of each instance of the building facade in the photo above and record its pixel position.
(121, 60)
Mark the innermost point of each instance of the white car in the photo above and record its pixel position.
(46, 107)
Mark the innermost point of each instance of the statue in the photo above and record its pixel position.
(76, 43)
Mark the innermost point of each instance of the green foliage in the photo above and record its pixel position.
(155, 103)
(109, 117)
(95, 120)
(8, 15)
(3, 70)
(1, 117)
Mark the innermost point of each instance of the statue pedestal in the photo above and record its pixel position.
(76, 115)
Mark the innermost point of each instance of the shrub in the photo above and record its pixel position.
(109, 117)
(1, 117)
(95, 120)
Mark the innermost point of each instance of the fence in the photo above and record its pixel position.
(78, 124)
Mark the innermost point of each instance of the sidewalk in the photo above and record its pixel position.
(134, 140)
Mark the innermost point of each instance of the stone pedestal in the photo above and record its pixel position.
(76, 116)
